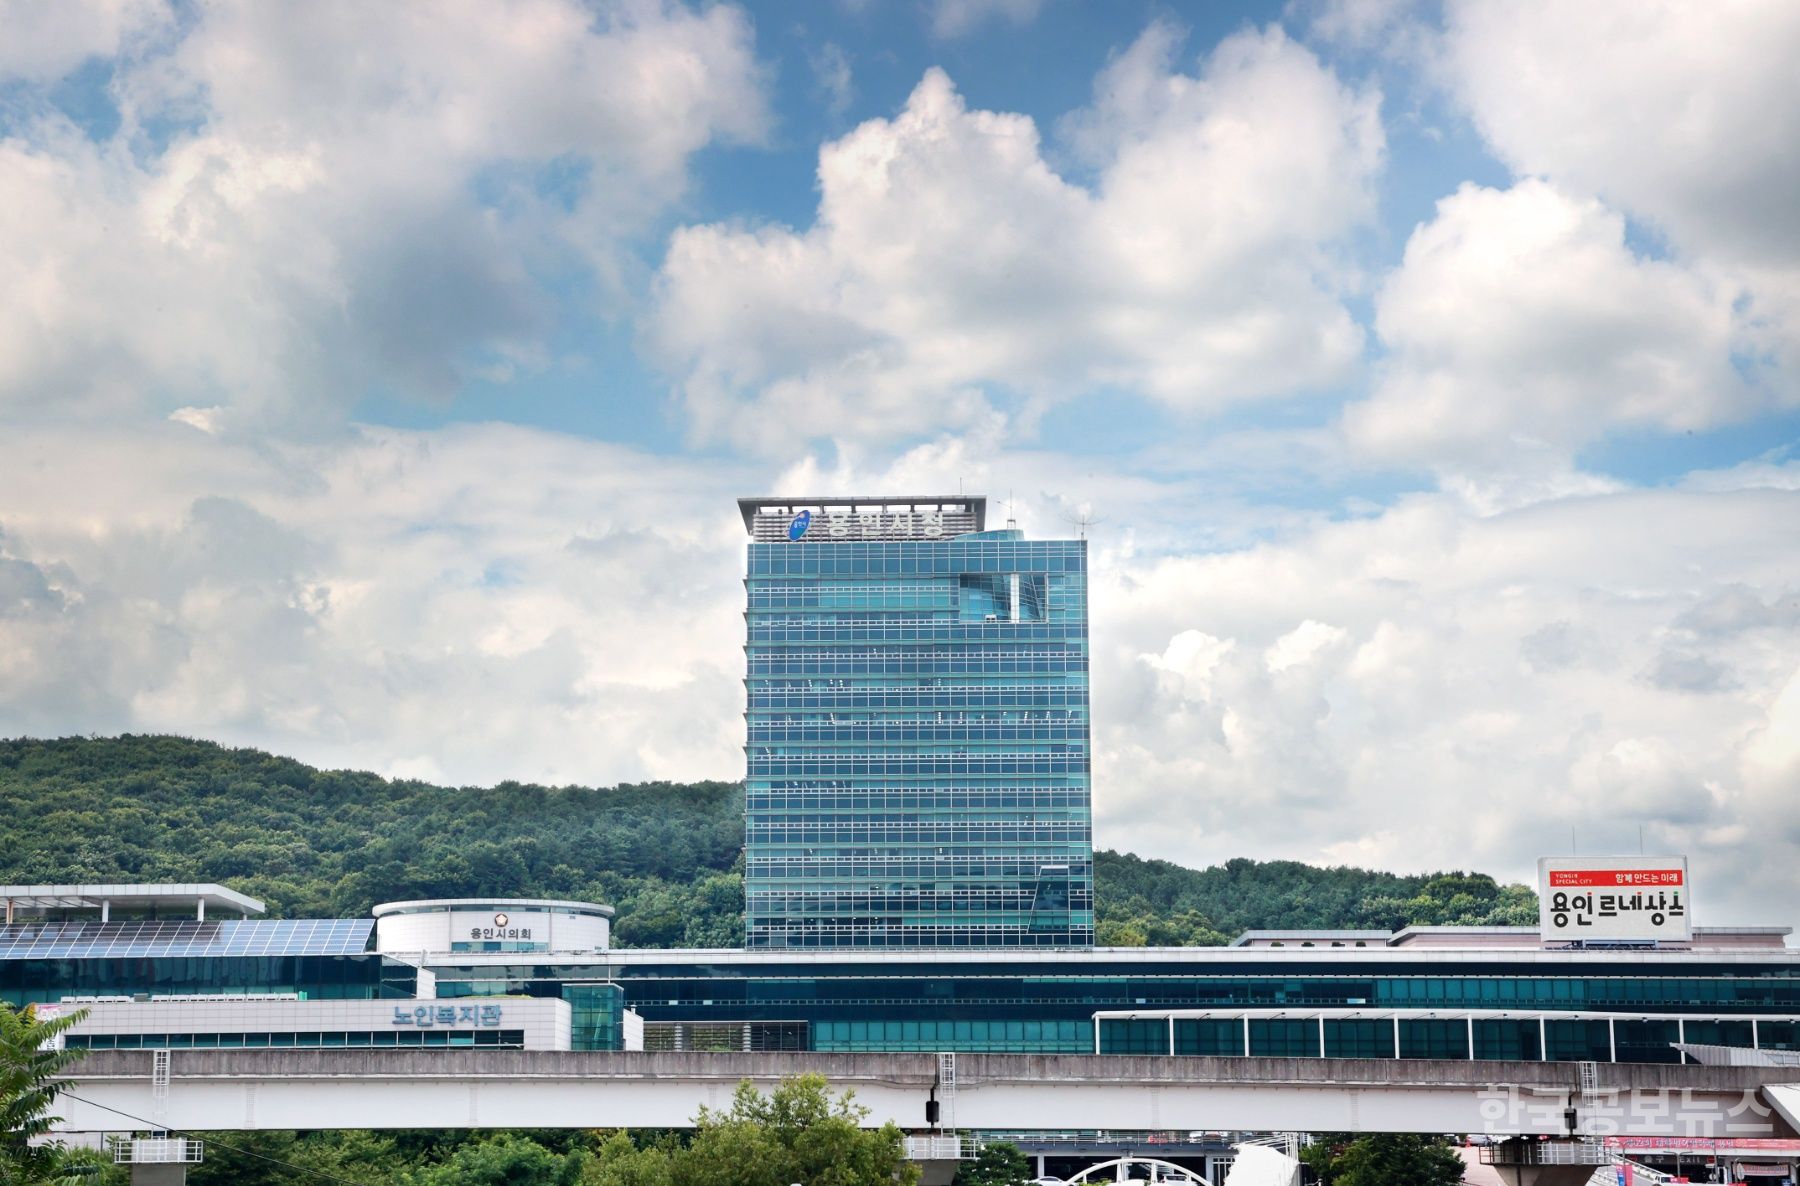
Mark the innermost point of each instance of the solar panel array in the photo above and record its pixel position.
(185, 937)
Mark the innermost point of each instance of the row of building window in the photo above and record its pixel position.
(803, 814)
(953, 748)
(901, 559)
(1481, 1039)
(940, 625)
(1075, 869)
(852, 694)
(774, 870)
(950, 747)
(970, 1036)
(817, 696)
(919, 937)
(823, 661)
(894, 786)
(797, 632)
(944, 593)
(954, 617)
(882, 807)
(769, 835)
(954, 542)
(1080, 996)
(847, 859)
(975, 900)
(773, 719)
(900, 766)
(871, 921)
(925, 749)
(1060, 649)
(917, 799)
(297, 1041)
(322, 977)
(826, 889)
(863, 731)
(929, 668)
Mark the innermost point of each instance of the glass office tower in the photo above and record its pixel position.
(917, 712)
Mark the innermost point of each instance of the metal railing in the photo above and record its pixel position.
(158, 1151)
(944, 1148)
(1547, 1153)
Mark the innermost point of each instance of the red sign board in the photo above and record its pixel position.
(1705, 1145)
(1560, 878)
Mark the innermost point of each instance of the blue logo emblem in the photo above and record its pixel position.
(798, 527)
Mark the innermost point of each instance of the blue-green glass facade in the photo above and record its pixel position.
(310, 977)
(596, 1005)
(1045, 1002)
(917, 732)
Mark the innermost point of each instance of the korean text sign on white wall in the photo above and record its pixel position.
(1610, 898)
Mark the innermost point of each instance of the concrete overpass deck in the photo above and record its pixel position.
(361, 1088)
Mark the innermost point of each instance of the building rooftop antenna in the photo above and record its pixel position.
(1081, 519)
(1012, 521)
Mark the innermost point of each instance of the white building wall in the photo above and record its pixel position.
(436, 931)
(546, 1022)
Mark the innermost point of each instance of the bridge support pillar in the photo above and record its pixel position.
(1546, 1175)
(158, 1175)
(937, 1173)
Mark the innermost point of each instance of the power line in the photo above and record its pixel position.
(155, 1127)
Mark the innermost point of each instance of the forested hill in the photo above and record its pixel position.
(332, 843)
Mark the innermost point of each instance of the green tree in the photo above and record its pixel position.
(331, 843)
(29, 1067)
(1000, 1163)
(620, 1162)
(508, 1159)
(1120, 932)
(797, 1133)
(1384, 1159)
(282, 1158)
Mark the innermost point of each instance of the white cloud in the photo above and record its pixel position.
(832, 76)
(323, 220)
(957, 18)
(44, 42)
(1520, 322)
(1359, 24)
(1485, 683)
(1422, 687)
(949, 258)
(496, 602)
(1303, 644)
(1684, 115)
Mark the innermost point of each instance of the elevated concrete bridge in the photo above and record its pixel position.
(382, 1089)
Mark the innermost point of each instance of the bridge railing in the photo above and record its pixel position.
(1582, 1152)
(939, 1148)
(158, 1151)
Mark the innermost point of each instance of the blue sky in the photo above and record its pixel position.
(375, 382)
(828, 67)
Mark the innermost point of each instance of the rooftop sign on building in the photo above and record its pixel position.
(1614, 899)
(853, 518)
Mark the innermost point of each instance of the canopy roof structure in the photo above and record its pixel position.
(185, 938)
(200, 896)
